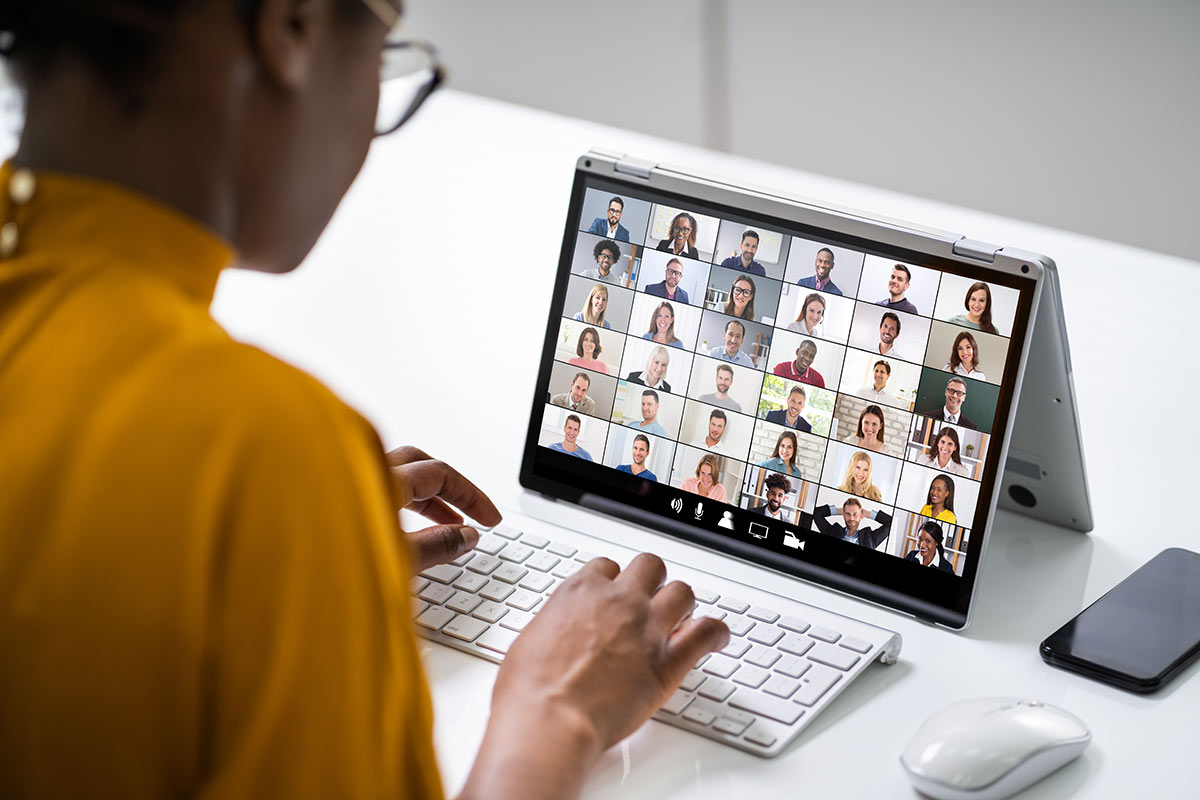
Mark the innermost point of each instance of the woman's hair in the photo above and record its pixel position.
(878, 412)
(812, 298)
(729, 307)
(691, 240)
(671, 337)
(795, 448)
(714, 464)
(599, 288)
(935, 532)
(985, 319)
(657, 351)
(949, 503)
(955, 361)
(595, 338)
(867, 488)
(952, 435)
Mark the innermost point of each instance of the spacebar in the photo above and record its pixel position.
(780, 710)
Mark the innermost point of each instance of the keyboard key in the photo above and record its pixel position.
(465, 628)
(740, 626)
(705, 596)
(490, 545)
(763, 614)
(435, 617)
(525, 600)
(824, 634)
(471, 582)
(462, 560)
(509, 573)
(760, 737)
(566, 569)
(516, 553)
(815, 683)
(764, 706)
(495, 590)
(536, 542)
(857, 645)
(417, 584)
(507, 531)
(583, 556)
(516, 620)
(484, 565)
(765, 634)
(715, 613)
(834, 657)
(733, 604)
(791, 666)
(736, 648)
(436, 593)
(442, 573)
(463, 602)
(536, 582)
(543, 562)
(716, 689)
(794, 624)
(560, 549)
(731, 725)
(703, 658)
(677, 702)
(781, 686)
(795, 644)
(762, 656)
(692, 680)
(699, 715)
(497, 639)
(721, 666)
(489, 612)
(418, 605)
(753, 677)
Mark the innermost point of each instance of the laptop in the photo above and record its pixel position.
(840, 399)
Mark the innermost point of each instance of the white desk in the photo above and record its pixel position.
(427, 295)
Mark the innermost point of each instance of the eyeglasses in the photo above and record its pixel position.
(740, 292)
(956, 393)
(605, 257)
(675, 272)
(409, 72)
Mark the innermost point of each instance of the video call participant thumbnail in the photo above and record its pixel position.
(956, 393)
(594, 307)
(978, 304)
(654, 375)
(944, 455)
(612, 227)
(607, 255)
(810, 321)
(716, 429)
(745, 260)
(783, 457)
(668, 287)
(852, 530)
(588, 352)
(940, 500)
(897, 286)
(662, 326)
(637, 466)
(801, 368)
(707, 481)
(964, 357)
(649, 409)
(681, 238)
(576, 398)
(720, 397)
(568, 445)
(858, 478)
(789, 417)
(778, 488)
(731, 351)
(929, 552)
(877, 391)
(889, 338)
(820, 280)
(741, 299)
(871, 430)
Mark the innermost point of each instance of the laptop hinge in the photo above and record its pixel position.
(981, 251)
(637, 167)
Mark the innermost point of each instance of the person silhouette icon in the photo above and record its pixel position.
(726, 520)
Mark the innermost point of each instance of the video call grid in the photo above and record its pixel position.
(773, 287)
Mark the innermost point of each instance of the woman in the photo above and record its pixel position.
(707, 480)
(964, 357)
(857, 479)
(783, 457)
(939, 503)
(655, 372)
(588, 348)
(594, 306)
(944, 455)
(681, 239)
(662, 326)
(741, 299)
(810, 322)
(978, 303)
(869, 435)
(929, 552)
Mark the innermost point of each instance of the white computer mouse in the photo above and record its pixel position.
(991, 748)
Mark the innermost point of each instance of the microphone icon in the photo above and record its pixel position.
(699, 510)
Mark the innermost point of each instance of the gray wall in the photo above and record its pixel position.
(1080, 115)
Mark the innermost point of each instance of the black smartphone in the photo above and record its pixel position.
(1140, 634)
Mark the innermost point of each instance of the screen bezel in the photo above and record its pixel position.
(831, 563)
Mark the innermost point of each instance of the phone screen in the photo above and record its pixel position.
(1141, 631)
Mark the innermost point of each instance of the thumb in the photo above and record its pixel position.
(440, 544)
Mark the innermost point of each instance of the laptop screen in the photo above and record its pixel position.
(798, 397)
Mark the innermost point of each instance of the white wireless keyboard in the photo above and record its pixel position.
(779, 671)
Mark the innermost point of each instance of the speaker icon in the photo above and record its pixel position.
(677, 505)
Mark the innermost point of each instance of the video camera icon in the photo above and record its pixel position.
(792, 540)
